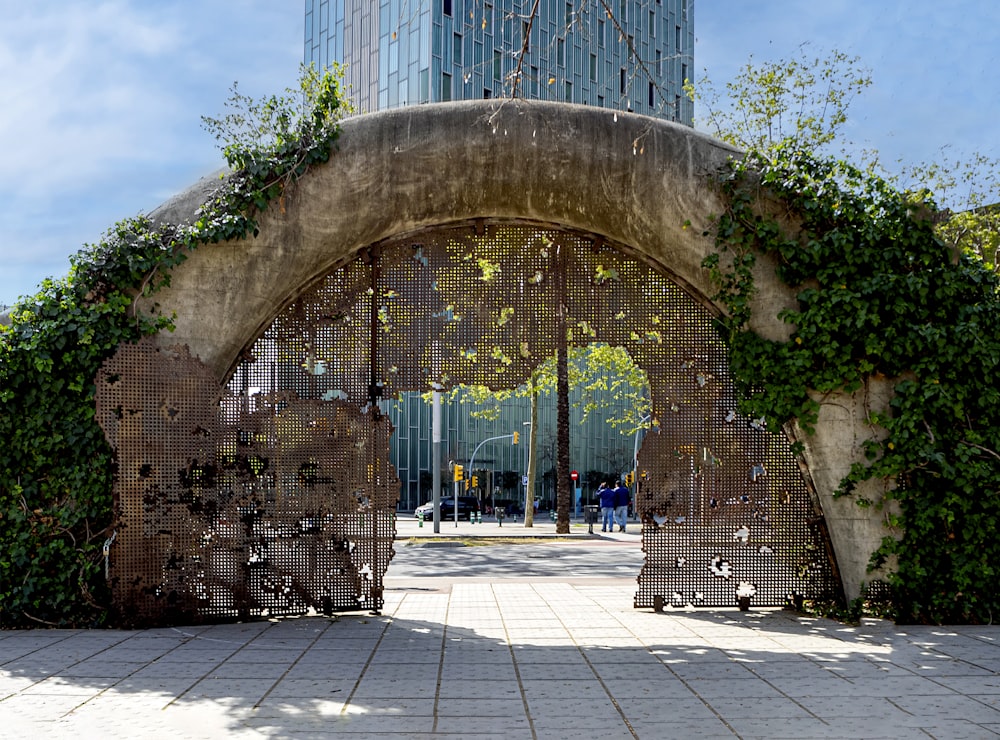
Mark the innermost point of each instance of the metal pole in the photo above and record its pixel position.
(472, 462)
(436, 458)
(635, 466)
(691, 504)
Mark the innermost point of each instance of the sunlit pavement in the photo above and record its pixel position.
(507, 659)
(543, 527)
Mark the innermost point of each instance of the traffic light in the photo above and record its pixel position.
(475, 481)
(517, 436)
(628, 479)
(459, 473)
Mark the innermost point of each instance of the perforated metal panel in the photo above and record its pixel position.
(276, 495)
(232, 506)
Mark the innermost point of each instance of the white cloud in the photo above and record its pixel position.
(81, 99)
(101, 111)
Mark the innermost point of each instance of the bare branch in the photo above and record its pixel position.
(524, 49)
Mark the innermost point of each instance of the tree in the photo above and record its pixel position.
(563, 491)
(608, 380)
(802, 104)
(969, 192)
(803, 100)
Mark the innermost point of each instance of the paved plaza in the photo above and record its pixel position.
(507, 658)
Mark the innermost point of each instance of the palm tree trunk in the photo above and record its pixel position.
(563, 492)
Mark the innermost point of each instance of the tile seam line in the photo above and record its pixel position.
(75, 663)
(257, 704)
(590, 665)
(440, 670)
(517, 669)
(371, 656)
(188, 638)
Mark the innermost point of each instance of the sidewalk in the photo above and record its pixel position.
(543, 527)
(507, 659)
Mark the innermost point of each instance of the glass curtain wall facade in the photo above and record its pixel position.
(500, 466)
(405, 52)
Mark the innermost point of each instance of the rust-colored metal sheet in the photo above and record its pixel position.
(231, 507)
(275, 494)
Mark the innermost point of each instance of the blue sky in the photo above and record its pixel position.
(103, 98)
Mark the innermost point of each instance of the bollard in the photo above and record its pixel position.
(420, 519)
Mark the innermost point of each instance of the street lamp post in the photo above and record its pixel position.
(472, 462)
(635, 464)
(529, 504)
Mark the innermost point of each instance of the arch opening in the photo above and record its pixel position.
(288, 498)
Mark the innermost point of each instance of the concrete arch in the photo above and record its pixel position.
(630, 179)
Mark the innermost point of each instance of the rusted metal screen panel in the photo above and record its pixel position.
(234, 507)
(723, 503)
(275, 495)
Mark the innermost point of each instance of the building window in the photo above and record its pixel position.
(677, 39)
(593, 67)
(487, 93)
(684, 74)
(561, 53)
(684, 10)
(659, 64)
(457, 50)
(445, 87)
(600, 34)
(526, 35)
(652, 24)
(677, 107)
(652, 94)
(569, 91)
(497, 65)
(569, 14)
(446, 7)
(621, 81)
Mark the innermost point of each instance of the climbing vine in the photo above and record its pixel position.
(880, 295)
(55, 466)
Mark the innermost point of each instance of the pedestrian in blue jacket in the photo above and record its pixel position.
(621, 499)
(607, 498)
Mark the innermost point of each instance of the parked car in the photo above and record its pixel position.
(466, 506)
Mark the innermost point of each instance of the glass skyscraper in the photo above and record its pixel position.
(631, 55)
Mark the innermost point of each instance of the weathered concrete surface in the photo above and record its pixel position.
(842, 429)
(629, 178)
(633, 180)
